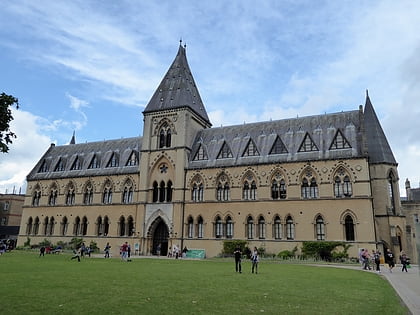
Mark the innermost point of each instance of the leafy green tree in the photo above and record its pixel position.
(6, 135)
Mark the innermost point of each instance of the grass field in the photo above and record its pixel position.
(56, 285)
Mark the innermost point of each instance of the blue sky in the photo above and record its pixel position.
(92, 66)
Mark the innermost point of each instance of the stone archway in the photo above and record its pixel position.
(159, 233)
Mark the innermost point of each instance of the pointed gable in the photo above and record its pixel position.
(278, 147)
(251, 149)
(339, 142)
(379, 150)
(225, 152)
(201, 154)
(307, 144)
(178, 89)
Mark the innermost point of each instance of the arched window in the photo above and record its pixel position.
(155, 191)
(245, 191)
(130, 226)
(36, 226)
(274, 190)
(106, 226)
(76, 228)
(46, 220)
(121, 226)
(70, 196)
(52, 199)
(36, 198)
(290, 228)
(51, 226)
(349, 228)
(250, 227)
(169, 191)
(229, 227)
(99, 226)
(278, 189)
(200, 227)
(219, 192)
(218, 227)
(342, 184)
(88, 194)
(261, 227)
(226, 192)
(194, 192)
(320, 228)
(253, 194)
(29, 226)
(309, 190)
(107, 194)
(277, 228)
(84, 225)
(190, 230)
(168, 138)
(313, 189)
(161, 138)
(127, 196)
(64, 225)
(162, 191)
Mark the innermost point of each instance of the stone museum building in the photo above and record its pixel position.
(275, 184)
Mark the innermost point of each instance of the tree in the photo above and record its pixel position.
(6, 135)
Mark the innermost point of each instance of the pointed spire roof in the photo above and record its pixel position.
(73, 138)
(178, 89)
(379, 150)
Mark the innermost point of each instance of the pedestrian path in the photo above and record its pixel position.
(407, 285)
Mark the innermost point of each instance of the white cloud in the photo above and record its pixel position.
(25, 151)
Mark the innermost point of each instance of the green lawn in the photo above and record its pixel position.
(55, 285)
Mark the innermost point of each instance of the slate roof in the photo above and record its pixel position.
(379, 150)
(178, 89)
(103, 150)
(322, 130)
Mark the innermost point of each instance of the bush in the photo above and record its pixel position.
(229, 246)
(324, 250)
(75, 242)
(27, 243)
(45, 243)
(286, 254)
(93, 246)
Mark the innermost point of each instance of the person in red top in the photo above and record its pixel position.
(124, 251)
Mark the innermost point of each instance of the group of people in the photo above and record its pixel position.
(254, 260)
(366, 258)
(175, 252)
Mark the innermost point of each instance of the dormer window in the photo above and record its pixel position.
(94, 163)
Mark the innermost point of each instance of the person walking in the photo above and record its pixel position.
(77, 254)
(389, 259)
(377, 260)
(42, 251)
(254, 260)
(238, 257)
(124, 251)
(107, 249)
(404, 261)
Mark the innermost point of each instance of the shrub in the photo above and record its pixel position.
(45, 242)
(93, 246)
(286, 254)
(76, 242)
(27, 243)
(324, 250)
(229, 246)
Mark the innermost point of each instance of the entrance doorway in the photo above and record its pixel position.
(160, 236)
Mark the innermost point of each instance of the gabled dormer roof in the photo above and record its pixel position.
(379, 150)
(178, 89)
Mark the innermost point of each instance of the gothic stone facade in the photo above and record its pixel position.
(275, 184)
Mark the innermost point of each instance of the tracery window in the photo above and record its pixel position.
(309, 187)
(88, 194)
(36, 198)
(278, 189)
(127, 196)
(342, 184)
(70, 196)
(223, 189)
(165, 136)
(52, 199)
(249, 192)
(197, 193)
(107, 193)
